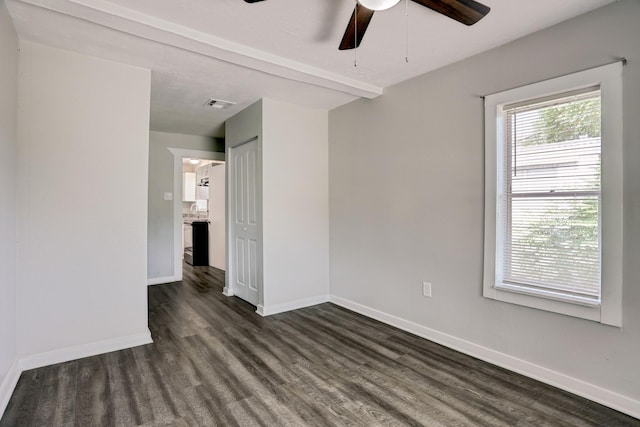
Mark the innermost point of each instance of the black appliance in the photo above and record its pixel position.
(198, 254)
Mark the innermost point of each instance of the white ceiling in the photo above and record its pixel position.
(281, 49)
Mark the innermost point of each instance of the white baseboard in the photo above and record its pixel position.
(85, 350)
(228, 292)
(9, 384)
(162, 280)
(573, 385)
(292, 305)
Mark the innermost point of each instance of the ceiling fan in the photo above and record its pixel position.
(467, 12)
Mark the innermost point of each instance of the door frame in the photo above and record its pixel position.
(231, 206)
(178, 155)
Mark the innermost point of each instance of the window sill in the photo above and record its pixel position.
(547, 294)
(591, 312)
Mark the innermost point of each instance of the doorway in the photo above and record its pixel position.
(178, 187)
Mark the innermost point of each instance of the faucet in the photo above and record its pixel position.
(194, 205)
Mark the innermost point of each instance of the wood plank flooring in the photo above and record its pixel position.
(215, 362)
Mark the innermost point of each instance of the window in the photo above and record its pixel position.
(553, 194)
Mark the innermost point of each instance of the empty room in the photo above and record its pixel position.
(319, 213)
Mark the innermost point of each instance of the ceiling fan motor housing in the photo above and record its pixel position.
(378, 4)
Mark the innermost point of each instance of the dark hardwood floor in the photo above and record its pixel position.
(215, 362)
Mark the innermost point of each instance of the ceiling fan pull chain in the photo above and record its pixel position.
(355, 36)
(406, 13)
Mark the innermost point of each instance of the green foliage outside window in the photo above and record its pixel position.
(568, 228)
(566, 122)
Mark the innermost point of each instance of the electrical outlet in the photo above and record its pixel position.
(426, 289)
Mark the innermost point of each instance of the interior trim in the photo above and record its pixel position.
(162, 280)
(572, 385)
(178, 155)
(84, 350)
(8, 385)
(191, 40)
(268, 310)
(39, 360)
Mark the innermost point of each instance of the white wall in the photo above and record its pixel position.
(295, 204)
(83, 136)
(160, 228)
(406, 206)
(8, 234)
(217, 216)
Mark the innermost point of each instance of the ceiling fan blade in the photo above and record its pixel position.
(356, 28)
(466, 11)
(252, 1)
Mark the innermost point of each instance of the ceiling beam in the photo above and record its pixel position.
(149, 27)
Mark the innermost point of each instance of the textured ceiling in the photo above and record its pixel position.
(281, 49)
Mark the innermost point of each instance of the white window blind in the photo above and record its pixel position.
(553, 196)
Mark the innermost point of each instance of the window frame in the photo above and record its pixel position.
(609, 78)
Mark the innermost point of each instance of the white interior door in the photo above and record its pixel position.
(246, 271)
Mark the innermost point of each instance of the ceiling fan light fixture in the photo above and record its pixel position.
(378, 4)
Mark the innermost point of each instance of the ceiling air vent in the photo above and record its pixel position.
(218, 104)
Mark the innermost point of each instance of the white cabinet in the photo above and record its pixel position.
(202, 172)
(202, 192)
(202, 182)
(187, 236)
(189, 187)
